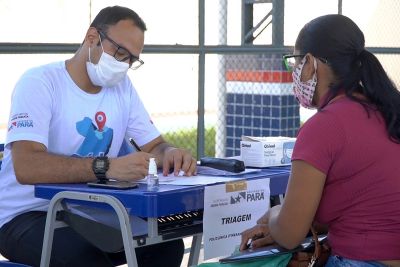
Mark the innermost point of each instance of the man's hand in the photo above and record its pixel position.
(180, 160)
(177, 159)
(133, 166)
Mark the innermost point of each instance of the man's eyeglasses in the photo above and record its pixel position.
(290, 61)
(122, 54)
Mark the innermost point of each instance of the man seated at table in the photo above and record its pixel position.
(67, 123)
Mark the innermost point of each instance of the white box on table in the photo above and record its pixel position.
(266, 151)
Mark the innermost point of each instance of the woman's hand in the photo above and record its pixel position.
(264, 219)
(255, 237)
(259, 235)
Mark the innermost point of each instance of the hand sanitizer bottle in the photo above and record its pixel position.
(152, 177)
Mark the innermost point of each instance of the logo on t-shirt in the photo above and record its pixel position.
(20, 120)
(98, 139)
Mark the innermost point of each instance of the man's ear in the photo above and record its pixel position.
(308, 69)
(92, 36)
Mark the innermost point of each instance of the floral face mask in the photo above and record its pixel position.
(304, 91)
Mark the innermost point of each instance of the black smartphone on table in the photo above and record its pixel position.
(112, 184)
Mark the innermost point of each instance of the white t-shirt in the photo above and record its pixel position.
(49, 108)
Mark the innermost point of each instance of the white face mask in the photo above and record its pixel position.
(108, 72)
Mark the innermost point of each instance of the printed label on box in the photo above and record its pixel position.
(266, 151)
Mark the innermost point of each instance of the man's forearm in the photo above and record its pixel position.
(43, 167)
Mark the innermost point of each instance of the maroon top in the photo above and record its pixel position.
(361, 198)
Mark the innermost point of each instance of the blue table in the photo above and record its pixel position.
(168, 200)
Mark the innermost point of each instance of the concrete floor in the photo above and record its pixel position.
(187, 241)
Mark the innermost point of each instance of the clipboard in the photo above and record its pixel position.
(269, 251)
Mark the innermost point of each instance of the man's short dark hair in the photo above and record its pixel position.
(113, 14)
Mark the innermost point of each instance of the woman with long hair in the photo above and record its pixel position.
(346, 160)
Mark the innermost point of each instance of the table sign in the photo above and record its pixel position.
(229, 209)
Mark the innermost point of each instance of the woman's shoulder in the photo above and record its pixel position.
(341, 109)
(339, 118)
(331, 118)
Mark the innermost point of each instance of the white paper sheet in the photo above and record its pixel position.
(197, 180)
(193, 180)
(227, 213)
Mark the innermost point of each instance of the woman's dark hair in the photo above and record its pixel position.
(338, 39)
(113, 14)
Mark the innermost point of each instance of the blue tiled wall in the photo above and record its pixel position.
(259, 115)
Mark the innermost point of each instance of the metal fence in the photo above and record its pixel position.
(227, 79)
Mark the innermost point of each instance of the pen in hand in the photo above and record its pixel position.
(254, 238)
(133, 143)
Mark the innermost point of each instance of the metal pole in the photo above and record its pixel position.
(278, 7)
(340, 6)
(200, 104)
(220, 131)
(247, 21)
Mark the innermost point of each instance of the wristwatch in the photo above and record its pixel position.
(100, 166)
